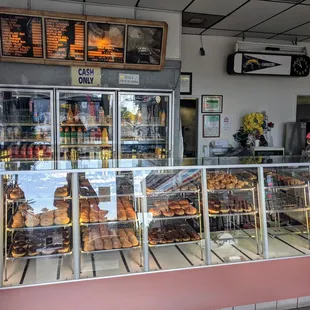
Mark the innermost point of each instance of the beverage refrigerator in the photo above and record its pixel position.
(145, 125)
(86, 125)
(26, 124)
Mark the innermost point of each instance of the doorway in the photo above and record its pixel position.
(189, 122)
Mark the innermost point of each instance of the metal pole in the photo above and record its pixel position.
(262, 205)
(145, 241)
(1, 230)
(75, 225)
(206, 221)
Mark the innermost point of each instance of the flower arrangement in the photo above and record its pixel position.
(255, 127)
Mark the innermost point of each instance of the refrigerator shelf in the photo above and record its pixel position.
(26, 140)
(85, 145)
(23, 124)
(130, 142)
(85, 125)
(143, 125)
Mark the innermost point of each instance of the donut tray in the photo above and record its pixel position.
(235, 190)
(175, 243)
(108, 222)
(37, 198)
(244, 213)
(10, 257)
(286, 187)
(175, 217)
(9, 228)
(172, 192)
(112, 250)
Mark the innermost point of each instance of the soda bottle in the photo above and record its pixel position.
(73, 136)
(79, 136)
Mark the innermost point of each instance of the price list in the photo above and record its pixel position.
(21, 36)
(64, 39)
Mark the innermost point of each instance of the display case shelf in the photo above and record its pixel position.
(175, 217)
(26, 140)
(174, 243)
(285, 187)
(85, 145)
(232, 214)
(108, 223)
(235, 190)
(172, 192)
(38, 227)
(86, 125)
(23, 124)
(132, 142)
(10, 257)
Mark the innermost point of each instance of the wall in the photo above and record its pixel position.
(173, 19)
(242, 94)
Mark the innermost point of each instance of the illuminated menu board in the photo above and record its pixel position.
(64, 39)
(105, 42)
(21, 36)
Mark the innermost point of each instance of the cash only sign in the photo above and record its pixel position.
(85, 76)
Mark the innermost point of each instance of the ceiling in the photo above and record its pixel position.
(267, 19)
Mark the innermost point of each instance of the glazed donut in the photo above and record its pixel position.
(155, 212)
(168, 213)
(191, 211)
(61, 192)
(62, 220)
(60, 204)
(183, 202)
(47, 222)
(32, 221)
(16, 193)
(178, 212)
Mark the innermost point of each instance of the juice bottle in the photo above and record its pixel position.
(105, 136)
(98, 136)
(73, 136)
(70, 115)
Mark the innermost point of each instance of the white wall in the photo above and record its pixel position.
(173, 19)
(242, 94)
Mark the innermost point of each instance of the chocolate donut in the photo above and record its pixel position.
(32, 251)
(19, 244)
(18, 252)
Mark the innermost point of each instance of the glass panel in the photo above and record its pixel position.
(85, 126)
(174, 210)
(25, 125)
(110, 230)
(287, 210)
(144, 126)
(233, 215)
(38, 232)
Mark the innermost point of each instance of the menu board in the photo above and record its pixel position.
(105, 42)
(64, 39)
(21, 36)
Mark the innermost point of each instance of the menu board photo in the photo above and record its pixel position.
(64, 39)
(105, 42)
(21, 36)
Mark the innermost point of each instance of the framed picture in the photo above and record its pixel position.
(146, 45)
(186, 83)
(211, 126)
(211, 104)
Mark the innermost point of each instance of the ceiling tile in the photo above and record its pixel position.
(261, 35)
(306, 2)
(302, 30)
(170, 5)
(216, 32)
(114, 2)
(251, 14)
(287, 37)
(293, 17)
(220, 7)
(189, 30)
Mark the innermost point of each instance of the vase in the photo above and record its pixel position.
(269, 138)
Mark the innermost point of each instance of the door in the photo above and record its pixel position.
(26, 124)
(86, 125)
(144, 125)
(189, 121)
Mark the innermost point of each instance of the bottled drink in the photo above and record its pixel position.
(105, 136)
(30, 151)
(134, 153)
(163, 153)
(23, 151)
(91, 154)
(92, 138)
(62, 136)
(76, 116)
(70, 115)
(159, 116)
(67, 137)
(86, 136)
(98, 136)
(73, 136)
(79, 136)
(163, 118)
(48, 153)
(101, 116)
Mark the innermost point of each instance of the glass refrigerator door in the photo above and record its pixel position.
(26, 119)
(85, 125)
(144, 125)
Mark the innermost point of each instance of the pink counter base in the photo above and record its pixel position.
(196, 289)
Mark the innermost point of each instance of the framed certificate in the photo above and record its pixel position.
(186, 83)
(211, 126)
(211, 104)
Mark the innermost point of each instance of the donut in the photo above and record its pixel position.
(168, 213)
(178, 212)
(48, 251)
(32, 221)
(155, 212)
(64, 249)
(16, 193)
(133, 240)
(191, 211)
(60, 204)
(61, 192)
(183, 202)
(62, 220)
(19, 244)
(32, 251)
(19, 252)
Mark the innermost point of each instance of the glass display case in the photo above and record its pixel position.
(86, 125)
(65, 224)
(26, 124)
(144, 125)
